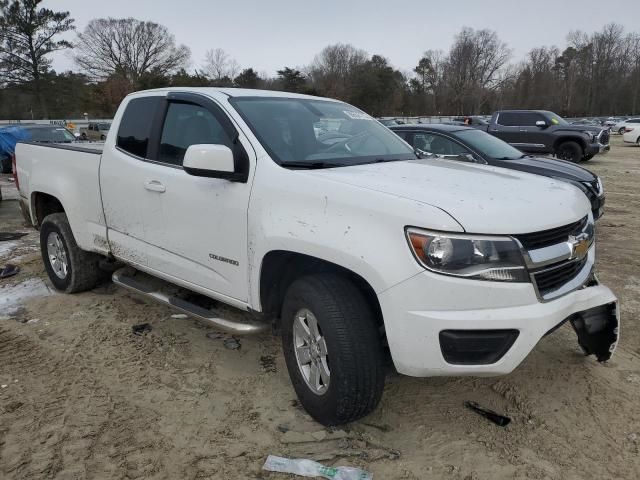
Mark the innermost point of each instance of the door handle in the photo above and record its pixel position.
(155, 186)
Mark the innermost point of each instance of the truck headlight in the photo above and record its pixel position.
(470, 256)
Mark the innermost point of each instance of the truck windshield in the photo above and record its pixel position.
(488, 145)
(557, 119)
(304, 133)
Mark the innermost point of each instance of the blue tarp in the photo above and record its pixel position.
(9, 136)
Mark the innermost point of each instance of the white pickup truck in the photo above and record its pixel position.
(313, 218)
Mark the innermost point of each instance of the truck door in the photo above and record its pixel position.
(533, 138)
(507, 128)
(197, 232)
(126, 199)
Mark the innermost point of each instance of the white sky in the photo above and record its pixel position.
(269, 34)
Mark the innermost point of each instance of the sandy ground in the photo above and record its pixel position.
(82, 397)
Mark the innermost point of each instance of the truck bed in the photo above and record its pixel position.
(68, 172)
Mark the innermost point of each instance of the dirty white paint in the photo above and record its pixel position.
(12, 297)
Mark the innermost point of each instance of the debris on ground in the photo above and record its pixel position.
(8, 236)
(291, 436)
(268, 363)
(232, 343)
(141, 328)
(496, 418)
(309, 468)
(215, 335)
(9, 271)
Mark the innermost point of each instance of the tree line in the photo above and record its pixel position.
(593, 74)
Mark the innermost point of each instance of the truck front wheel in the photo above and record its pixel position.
(70, 269)
(570, 151)
(332, 348)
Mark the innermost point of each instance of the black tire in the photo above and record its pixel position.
(621, 131)
(354, 352)
(103, 138)
(570, 151)
(83, 136)
(588, 157)
(83, 272)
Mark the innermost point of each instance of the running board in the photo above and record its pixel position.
(124, 277)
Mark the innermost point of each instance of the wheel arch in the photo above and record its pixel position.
(280, 268)
(43, 204)
(579, 140)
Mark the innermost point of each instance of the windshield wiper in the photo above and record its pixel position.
(310, 165)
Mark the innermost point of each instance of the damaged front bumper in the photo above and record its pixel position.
(484, 331)
(598, 329)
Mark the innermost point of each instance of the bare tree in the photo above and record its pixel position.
(332, 69)
(27, 37)
(128, 48)
(219, 66)
(474, 67)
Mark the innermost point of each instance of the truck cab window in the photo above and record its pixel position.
(135, 125)
(185, 125)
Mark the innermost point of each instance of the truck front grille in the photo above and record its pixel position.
(552, 278)
(604, 137)
(546, 238)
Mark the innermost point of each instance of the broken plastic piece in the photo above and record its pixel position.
(9, 271)
(597, 330)
(496, 418)
(141, 328)
(309, 468)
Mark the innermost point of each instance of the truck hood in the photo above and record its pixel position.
(483, 199)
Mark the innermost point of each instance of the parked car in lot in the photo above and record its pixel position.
(472, 145)
(33, 133)
(586, 121)
(540, 131)
(632, 134)
(622, 125)
(349, 249)
(95, 131)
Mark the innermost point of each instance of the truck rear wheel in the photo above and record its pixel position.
(70, 269)
(571, 151)
(332, 348)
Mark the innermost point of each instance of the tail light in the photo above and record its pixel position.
(15, 171)
(628, 129)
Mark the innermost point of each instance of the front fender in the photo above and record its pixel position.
(358, 229)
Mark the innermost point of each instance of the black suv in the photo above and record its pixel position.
(472, 145)
(540, 131)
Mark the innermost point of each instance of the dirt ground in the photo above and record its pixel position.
(82, 397)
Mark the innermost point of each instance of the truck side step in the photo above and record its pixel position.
(133, 280)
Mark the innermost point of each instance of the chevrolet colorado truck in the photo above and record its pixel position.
(352, 250)
(540, 131)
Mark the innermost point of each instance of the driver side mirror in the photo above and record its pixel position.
(213, 161)
(541, 124)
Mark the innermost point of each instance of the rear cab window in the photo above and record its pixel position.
(136, 125)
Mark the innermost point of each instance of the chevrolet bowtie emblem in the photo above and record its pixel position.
(579, 246)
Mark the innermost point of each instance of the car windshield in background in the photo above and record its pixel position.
(557, 120)
(302, 133)
(50, 135)
(488, 145)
